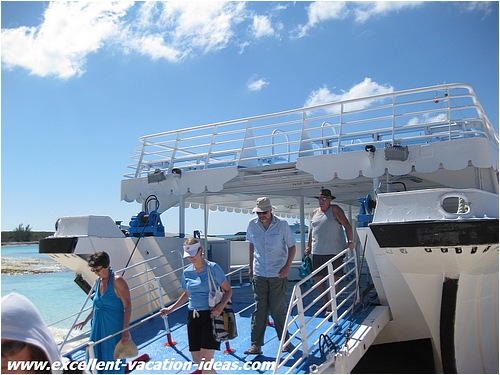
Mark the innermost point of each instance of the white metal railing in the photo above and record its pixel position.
(139, 290)
(91, 345)
(341, 294)
(159, 288)
(418, 116)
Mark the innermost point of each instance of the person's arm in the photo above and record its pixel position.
(250, 257)
(82, 323)
(180, 301)
(286, 268)
(123, 292)
(339, 215)
(228, 292)
(309, 240)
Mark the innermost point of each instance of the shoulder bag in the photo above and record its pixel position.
(215, 292)
(224, 326)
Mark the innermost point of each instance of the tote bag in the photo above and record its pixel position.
(224, 326)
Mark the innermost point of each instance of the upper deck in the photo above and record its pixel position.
(408, 133)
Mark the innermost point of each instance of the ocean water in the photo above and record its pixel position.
(53, 291)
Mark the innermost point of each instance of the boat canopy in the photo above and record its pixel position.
(415, 139)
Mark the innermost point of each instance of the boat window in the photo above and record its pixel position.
(455, 205)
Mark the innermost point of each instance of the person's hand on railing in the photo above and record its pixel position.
(166, 310)
(80, 325)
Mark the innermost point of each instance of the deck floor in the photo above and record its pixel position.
(151, 340)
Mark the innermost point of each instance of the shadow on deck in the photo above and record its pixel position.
(152, 340)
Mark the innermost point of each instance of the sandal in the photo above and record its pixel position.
(254, 350)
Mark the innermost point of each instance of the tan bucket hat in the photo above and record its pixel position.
(127, 350)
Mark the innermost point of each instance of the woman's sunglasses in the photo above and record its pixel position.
(11, 348)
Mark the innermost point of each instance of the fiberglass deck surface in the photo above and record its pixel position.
(151, 338)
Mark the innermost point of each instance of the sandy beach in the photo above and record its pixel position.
(26, 266)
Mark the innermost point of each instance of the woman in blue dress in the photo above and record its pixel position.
(202, 344)
(111, 311)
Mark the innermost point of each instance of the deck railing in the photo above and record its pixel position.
(301, 315)
(145, 300)
(158, 282)
(418, 116)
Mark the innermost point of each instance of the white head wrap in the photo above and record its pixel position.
(191, 250)
(21, 321)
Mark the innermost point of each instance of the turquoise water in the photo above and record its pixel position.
(54, 294)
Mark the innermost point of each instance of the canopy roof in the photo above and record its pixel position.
(414, 139)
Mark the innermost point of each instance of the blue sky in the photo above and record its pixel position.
(81, 82)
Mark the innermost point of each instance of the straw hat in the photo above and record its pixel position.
(263, 204)
(127, 350)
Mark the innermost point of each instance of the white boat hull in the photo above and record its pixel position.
(438, 286)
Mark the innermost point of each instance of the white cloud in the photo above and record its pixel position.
(203, 25)
(261, 27)
(174, 30)
(365, 88)
(428, 118)
(257, 84)
(69, 32)
(154, 47)
(323, 11)
(366, 10)
(484, 7)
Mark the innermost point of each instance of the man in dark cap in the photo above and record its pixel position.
(327, 238)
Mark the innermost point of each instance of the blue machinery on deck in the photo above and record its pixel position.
(147, 223)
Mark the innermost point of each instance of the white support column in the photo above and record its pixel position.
(302, 225)
(182, 217)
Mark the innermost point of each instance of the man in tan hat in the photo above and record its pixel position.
(272, 249)
(326, 237)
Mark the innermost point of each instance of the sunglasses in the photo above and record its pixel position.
(97, 269)
(11, 348)
(263, 213)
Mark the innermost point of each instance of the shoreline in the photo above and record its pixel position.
(30, 266)
(20, 243)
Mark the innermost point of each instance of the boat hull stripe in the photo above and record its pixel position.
(58, 245)
(436, 233)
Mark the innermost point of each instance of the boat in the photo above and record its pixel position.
(297, 228)
(416, 172)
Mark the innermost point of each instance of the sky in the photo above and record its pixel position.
(82, 81)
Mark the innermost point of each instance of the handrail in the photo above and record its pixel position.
(85, 308)
(350, 294)
(417, 116)
(91, 345)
